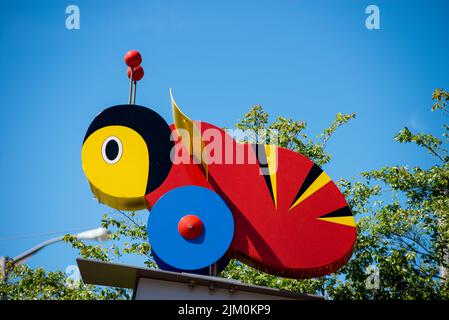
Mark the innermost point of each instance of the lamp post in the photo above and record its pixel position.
(98, 234)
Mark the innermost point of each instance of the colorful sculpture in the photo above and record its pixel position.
(274, 209)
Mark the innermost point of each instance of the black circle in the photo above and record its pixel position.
(112, 150)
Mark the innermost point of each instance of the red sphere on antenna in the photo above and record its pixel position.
(137, 73)
(133, 58)
(190, 227)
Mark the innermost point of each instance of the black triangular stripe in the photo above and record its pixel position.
(342, 212)
(314, 172)
(261, 157)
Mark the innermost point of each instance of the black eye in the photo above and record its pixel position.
(111, 150)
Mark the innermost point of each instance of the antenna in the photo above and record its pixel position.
(135, 72)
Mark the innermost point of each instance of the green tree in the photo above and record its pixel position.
(37, 284)
(402, 222)
(403, 225)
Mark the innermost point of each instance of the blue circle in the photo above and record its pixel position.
(171, 247)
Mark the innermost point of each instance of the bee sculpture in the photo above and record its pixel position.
(211, 198)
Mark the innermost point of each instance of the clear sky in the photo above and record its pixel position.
(306, 60)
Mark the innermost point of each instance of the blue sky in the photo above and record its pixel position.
(301, 59)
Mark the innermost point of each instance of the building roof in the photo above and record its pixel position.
(125, 276)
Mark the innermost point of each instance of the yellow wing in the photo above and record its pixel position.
(190, 134)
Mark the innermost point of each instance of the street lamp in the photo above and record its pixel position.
(98, 234)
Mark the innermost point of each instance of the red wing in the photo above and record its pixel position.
(297, 225)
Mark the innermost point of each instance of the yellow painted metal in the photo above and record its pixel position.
(320, 182)
(188, 129)
(347, 220)
(271, 152)
(121, 184)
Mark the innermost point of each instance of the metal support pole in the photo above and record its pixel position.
(99, 234)
(130, 100)
(23, 256)
(20, 259)
(444, 272)
(213, 270)
(4, 275)
(135, 92)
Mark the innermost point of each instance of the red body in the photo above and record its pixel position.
(273, 237)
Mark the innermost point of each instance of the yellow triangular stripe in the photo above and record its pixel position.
(271, 152)
(347, 221)
(320, 182)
